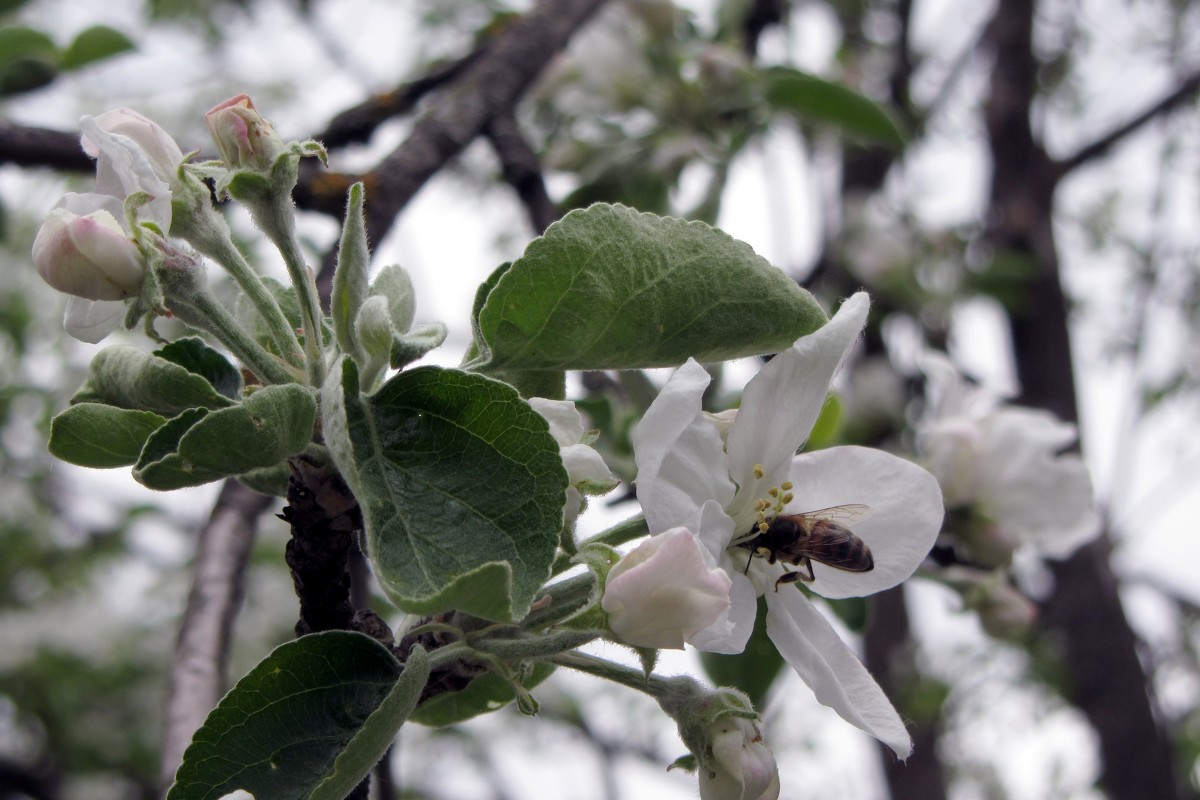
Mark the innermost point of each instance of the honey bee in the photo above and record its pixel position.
(800, 539)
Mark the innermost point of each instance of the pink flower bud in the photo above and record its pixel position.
(89, 257)
(743, 767)
(245, 139)
(665, 591)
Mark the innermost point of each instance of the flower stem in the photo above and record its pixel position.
(280, 228)
(651, 684)
(620, 533)
(225, 253)
(205, 312)
(565, 599)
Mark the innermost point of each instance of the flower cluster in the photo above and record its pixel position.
(710, 486)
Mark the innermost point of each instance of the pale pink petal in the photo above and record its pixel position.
(91, 320)
(813, 648)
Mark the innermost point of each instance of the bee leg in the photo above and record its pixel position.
(792, 577)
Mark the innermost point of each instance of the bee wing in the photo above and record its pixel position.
(842, 515)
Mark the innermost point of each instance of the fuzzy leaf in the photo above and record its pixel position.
(101, 436)
(461, 485)
(610, 288)
(128, 378)
(306, 723)
(200, 446)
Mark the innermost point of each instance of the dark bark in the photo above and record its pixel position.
(41, 147)
(521, 169)
(889, 657)
(1083, 618)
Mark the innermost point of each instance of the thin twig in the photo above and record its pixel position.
(1187, 89)
(523, 171)
(198, 668)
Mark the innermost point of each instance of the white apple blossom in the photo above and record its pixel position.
(1005, 463)
(688, 476)
(745, 767)
(586, 471)
(665, 591)
(131, 154)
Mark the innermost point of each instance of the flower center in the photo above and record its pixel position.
(766, 508)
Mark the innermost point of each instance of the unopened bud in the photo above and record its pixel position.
(245, 139)
(88, 256)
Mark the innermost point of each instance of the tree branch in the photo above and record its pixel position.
(489, 86)
(42, 147)
(1185, 91)
(197, 678)
(358, 123)
(521, 168)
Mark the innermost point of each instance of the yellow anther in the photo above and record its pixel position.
(763, 527)
(758, 471)
(787, 498)
(786, 485)
(773, 491)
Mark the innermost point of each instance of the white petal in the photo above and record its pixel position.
(566, 423)
(906, 512)
(731, 630)
(91, 320)
(122, 169)
(781, 402)
(585, 465)
(813, 648)
(680, 458)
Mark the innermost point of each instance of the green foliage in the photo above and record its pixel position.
(307, 723)
(813, 99)
(461, 486)
(200, 446)
(609, 288)
(95, 44)
(100, 436)
(162, 382)
(489, 692)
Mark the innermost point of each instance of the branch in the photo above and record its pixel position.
(1183, 92)
(488, 87)
(42, 147)
(197, 678)
(357, 124)
(522, 170)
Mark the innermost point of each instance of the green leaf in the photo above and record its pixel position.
(128, 378)
(101, 436)
(393, 283)
(24, 74)
(461, 485)
(302, 723)
(350, 277)
(609, 288)
(816, 100)
(376, 736)
(95, 44)
(200, 446)
(17, 41)
(754, 669)
(488, 692)
(198, 358)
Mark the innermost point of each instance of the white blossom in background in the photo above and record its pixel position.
(587, 474)
(1005, 463)
(692, 476)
